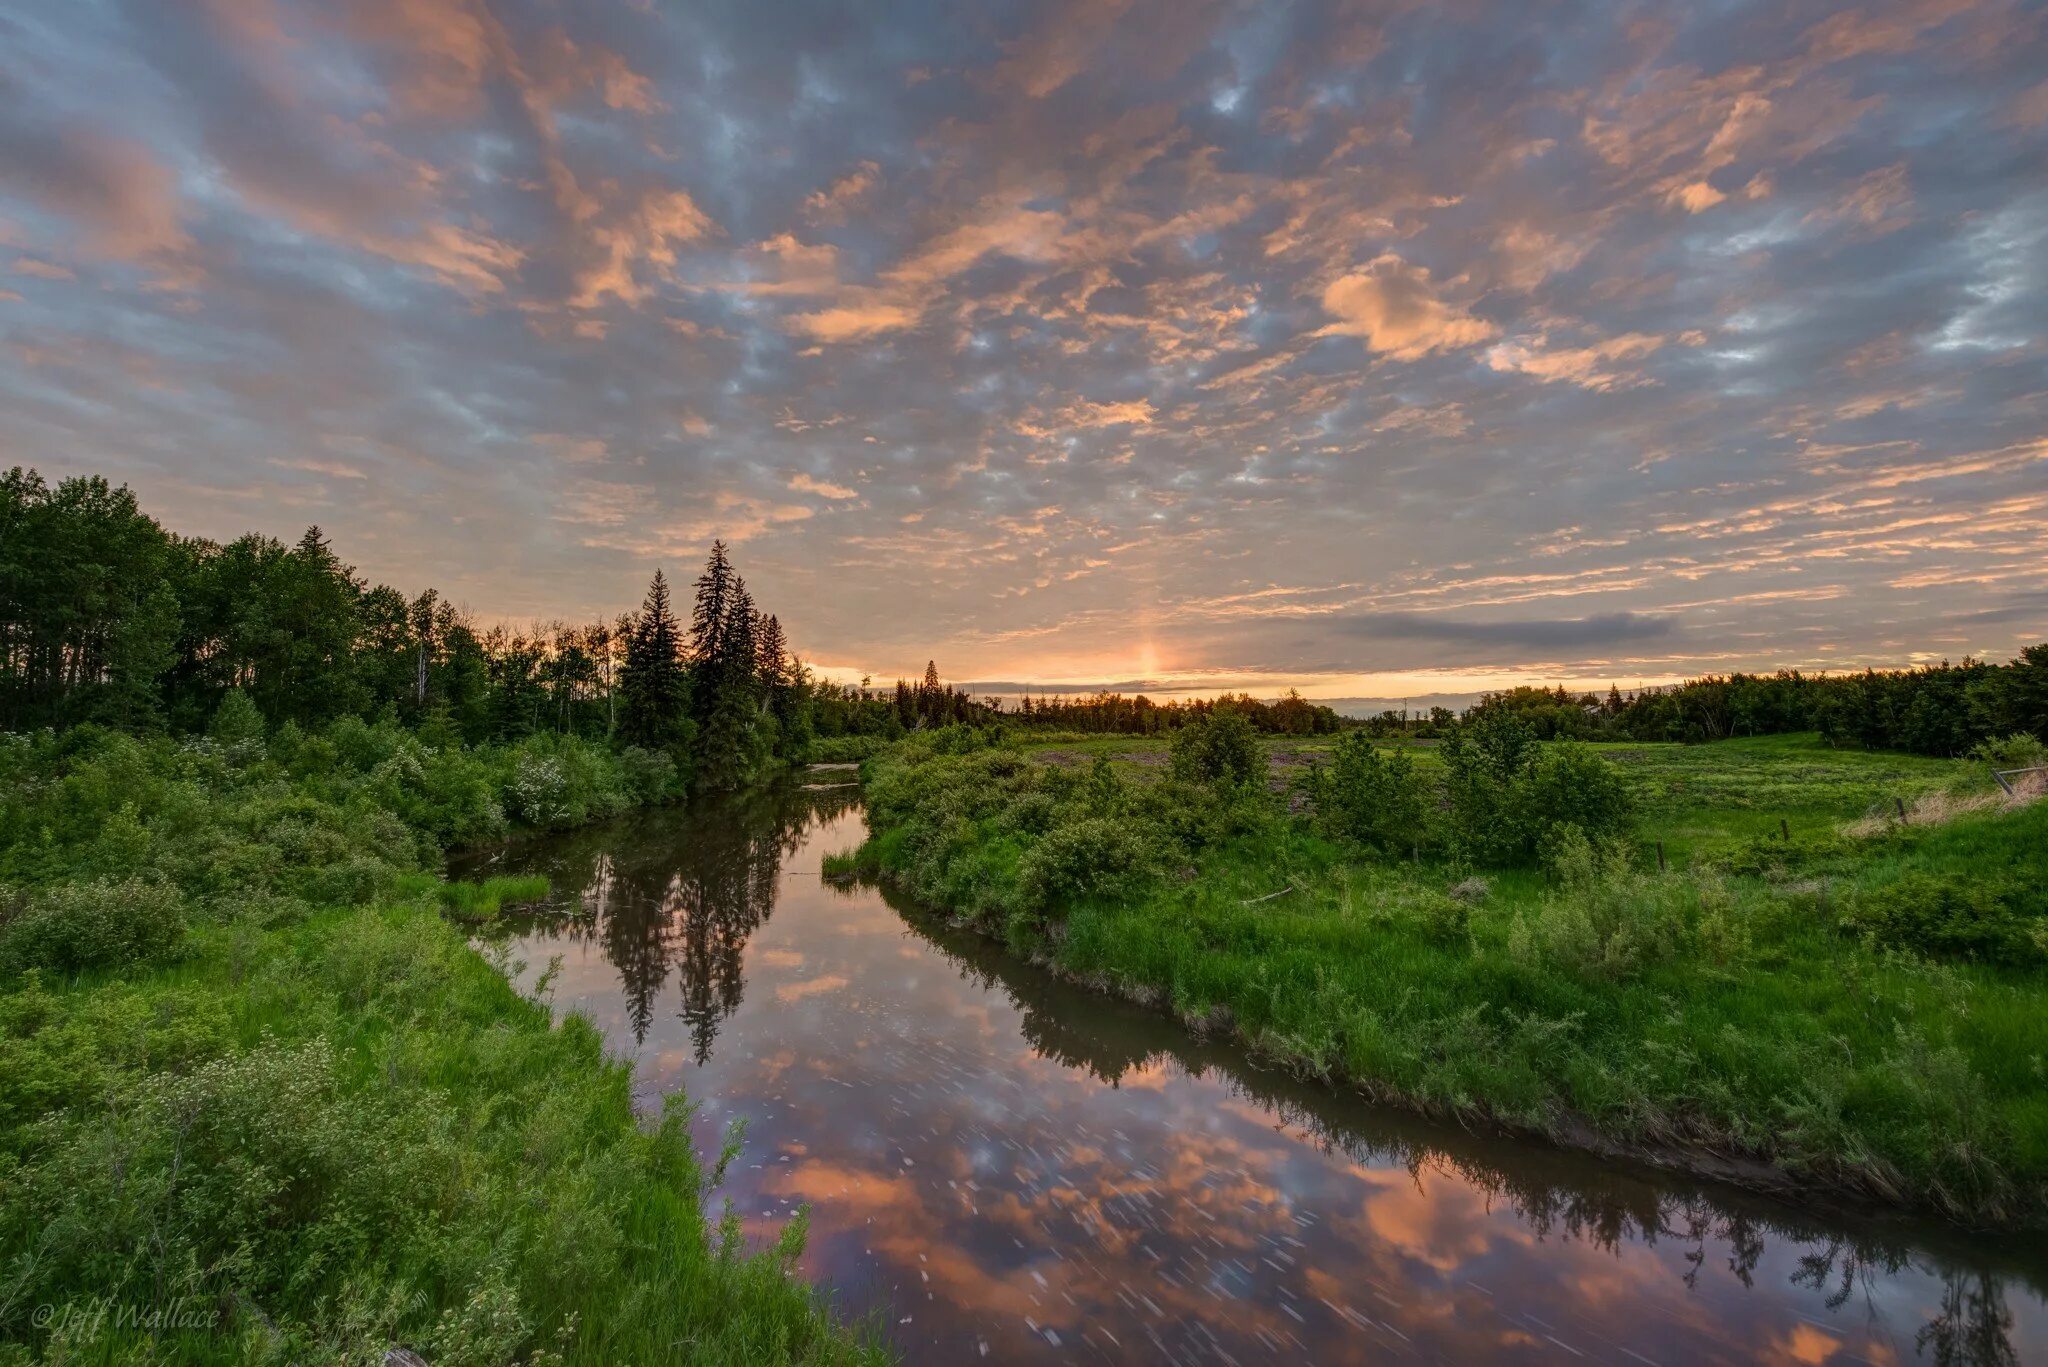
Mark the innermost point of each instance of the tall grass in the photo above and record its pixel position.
(477, 901)
(255, 1086)
(1776, 1001)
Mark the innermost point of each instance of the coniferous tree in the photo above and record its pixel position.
(653, 689)
(732, 748)
(771, 653)
(708, 620)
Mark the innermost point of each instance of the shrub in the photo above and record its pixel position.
(449, 792)
(1097, 856)
(559, 781)
(1570, 785)
(1031, 812)
(246, 1174)
(77, 926)
(1371, 797)
(2016, 751)
(1220, 749)
(842, 749)
(348, 882)
(1949, 917)
(650, 775)
(1507, 796)
(1604, 919)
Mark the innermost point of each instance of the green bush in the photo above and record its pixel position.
(649, 775)
(1097, 856)
(1220, 748)
(1570, 785)
(78, 926)
(1951, 917)
(1378, 799)
(2016, 751)
(1605, 917)
(1506, 795)
(842, 749)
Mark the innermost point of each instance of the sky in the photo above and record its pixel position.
(1382, 350)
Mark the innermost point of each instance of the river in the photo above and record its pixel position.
(1000, 1165)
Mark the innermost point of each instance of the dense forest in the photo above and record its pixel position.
(107, 617)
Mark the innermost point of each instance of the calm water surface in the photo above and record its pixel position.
(1001, 1166)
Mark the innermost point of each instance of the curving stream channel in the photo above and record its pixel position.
(1000, 1165)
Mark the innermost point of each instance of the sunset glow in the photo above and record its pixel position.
(1384, 351)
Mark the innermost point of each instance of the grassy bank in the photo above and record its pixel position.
(1862, 1006)
(261, 1101)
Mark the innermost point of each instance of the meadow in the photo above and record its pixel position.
(1807, 991)
(262, 1101)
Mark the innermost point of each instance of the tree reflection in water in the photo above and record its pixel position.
(678, 895)
(672, 894)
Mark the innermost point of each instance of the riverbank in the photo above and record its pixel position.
(260, 1100)
(1863, 1012)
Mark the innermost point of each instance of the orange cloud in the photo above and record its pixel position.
(1589, 367)
(832, 205)
(1394, 308)
(804, 484)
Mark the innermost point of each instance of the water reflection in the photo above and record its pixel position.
(655, 916)
(1004, 1165)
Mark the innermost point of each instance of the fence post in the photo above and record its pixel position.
(1660, 856)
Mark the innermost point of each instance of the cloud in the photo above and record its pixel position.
(805, 484)
(1394, 308)
(831, 205)
(646, 234)
(1589, 367)
(1045, 302)
(123, 199)
(1603, 629)
(854, 321)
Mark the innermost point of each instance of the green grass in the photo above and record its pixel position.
(359, 1134)
(1719, 1007)
(252, 1077)
(468, 901)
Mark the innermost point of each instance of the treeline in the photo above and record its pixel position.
(1943, 709)
(1292, 715)
(863, 710)
(887, 714)
(106, 617)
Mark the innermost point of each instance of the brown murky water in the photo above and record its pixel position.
(1001, 1166)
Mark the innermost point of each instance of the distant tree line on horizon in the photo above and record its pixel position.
(1940, 709)
(865, 710)
(107, 617)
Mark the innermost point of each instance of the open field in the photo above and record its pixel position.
(1861, 1007)
(1695, 798)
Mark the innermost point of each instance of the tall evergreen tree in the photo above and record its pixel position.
(708, 619)
(653, 689)
(732, 750)
(773, 666)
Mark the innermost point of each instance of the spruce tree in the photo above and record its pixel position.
(771, 656)
(722, 632)
(653, 689)
(708, 620)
